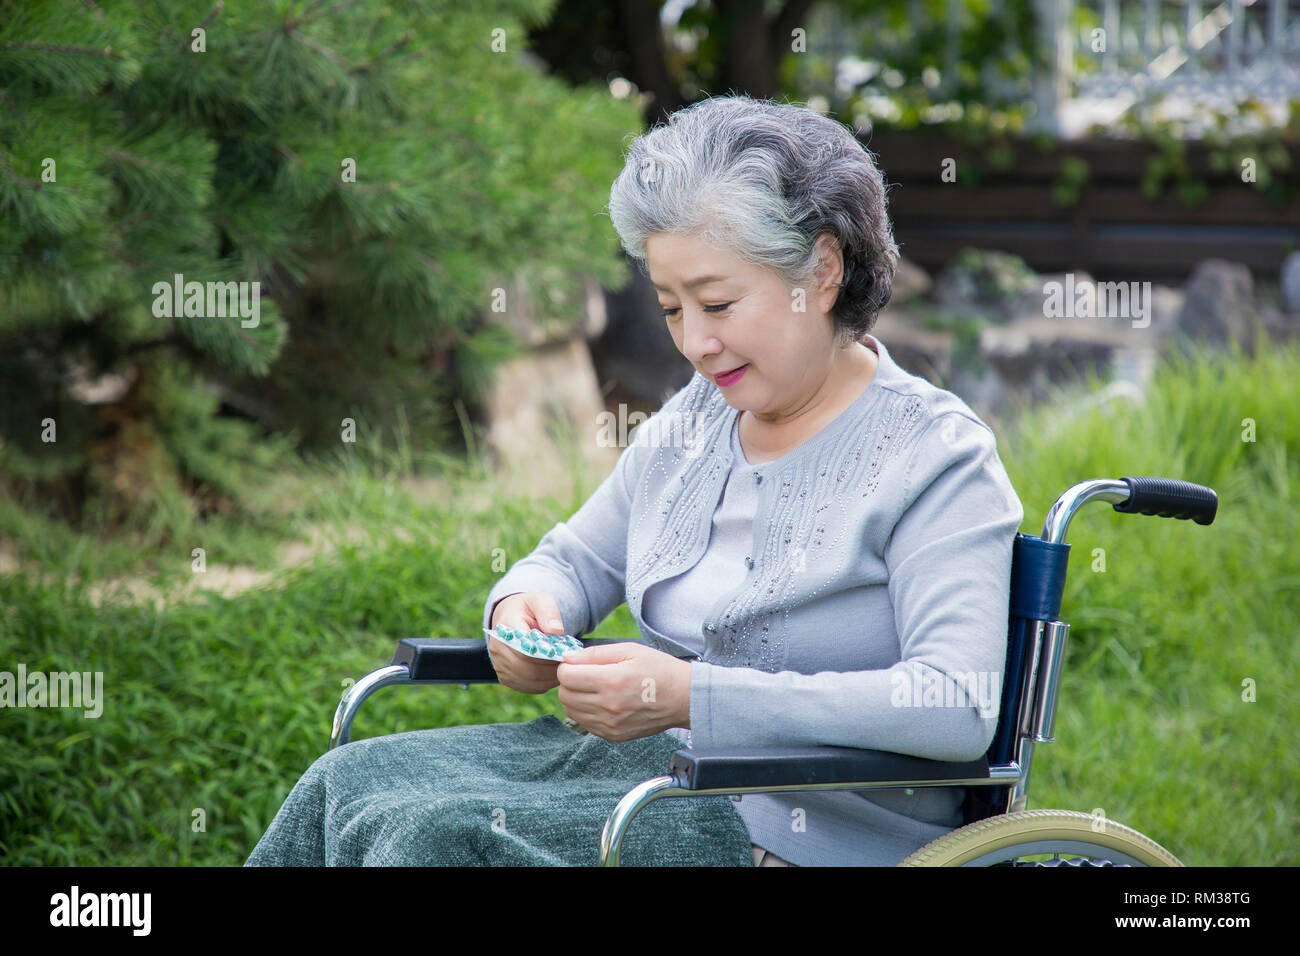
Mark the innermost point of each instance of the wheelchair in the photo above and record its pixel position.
(997, 829)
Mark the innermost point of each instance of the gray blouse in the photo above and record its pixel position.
(876, 589)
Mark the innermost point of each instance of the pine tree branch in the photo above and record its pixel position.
(122, 225)
(320, 48)
(394, 59)
(401, 42)
(289, 26)
(20, 180)
(136, 347)
(134, 160)
(366, 187)
(217, 9)
(310, 7)
(288, 154)
(432, 264)
(63, 48)
(308, 17)
(183, 346)
(375, 26)
(259, 411)
(380, 58)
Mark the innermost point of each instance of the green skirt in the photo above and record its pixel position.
(530, 794)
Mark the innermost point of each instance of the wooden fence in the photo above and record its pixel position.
(1112, 231)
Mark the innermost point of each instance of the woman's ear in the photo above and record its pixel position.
(830, 271)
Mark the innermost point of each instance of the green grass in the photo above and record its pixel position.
(1151, 723)
(220, 705)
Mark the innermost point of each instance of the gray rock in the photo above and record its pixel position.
(915, 348)
(107, 389)
(1032, 358)
(1281, 326)
(910, 282)
(1219, 305)
(1077, 299)
(569, 311)
(544, 410)
(996, 285)
(1166, 304)
(1066, 279)
(1289, 282)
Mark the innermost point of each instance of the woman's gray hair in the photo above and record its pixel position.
(764, 180)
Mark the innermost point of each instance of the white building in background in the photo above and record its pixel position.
(1096, 60)
(1196, 59)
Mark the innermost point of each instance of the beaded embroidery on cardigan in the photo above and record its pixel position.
(692, 448)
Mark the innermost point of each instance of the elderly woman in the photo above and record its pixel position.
(814, 543)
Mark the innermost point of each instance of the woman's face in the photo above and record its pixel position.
(725, 313)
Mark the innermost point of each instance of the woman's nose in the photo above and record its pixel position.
(698, 340)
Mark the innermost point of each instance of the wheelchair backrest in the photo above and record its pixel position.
(1037, 585)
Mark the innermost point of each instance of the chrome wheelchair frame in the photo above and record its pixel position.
(997, 783)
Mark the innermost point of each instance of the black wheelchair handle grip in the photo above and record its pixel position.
(1169, 498)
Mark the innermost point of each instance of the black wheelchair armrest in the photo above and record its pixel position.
(466, 661)
(720, 769)
(460, 660)
(446, 659)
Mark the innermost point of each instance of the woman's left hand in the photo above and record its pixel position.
(625, 691)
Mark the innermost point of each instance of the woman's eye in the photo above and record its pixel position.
(708, 308)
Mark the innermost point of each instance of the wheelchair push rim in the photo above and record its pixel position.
(1009, 839)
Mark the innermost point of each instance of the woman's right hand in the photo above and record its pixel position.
(528, 610)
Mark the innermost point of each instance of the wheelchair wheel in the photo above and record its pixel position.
(1024, 838)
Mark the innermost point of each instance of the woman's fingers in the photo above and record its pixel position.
(528, 675)
(525, 611)
(545, 612)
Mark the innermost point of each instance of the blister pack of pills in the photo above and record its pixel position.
(535, 643)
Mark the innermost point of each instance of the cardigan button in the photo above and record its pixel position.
(758, 479)
(749, 563)
(710, 628)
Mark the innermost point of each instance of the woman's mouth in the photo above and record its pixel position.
(732, 377)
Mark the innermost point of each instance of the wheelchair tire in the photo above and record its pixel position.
(1004, 839)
